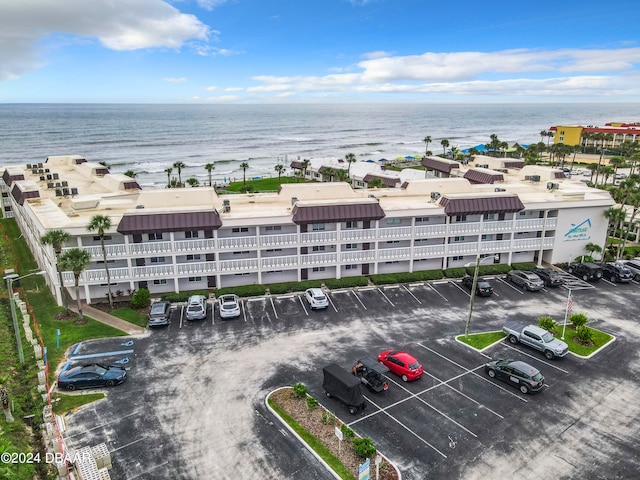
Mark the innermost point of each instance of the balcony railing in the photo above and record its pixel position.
(428, 251)
(496, 246)
(318, 259)
(153, 271)
(394, 253)
(394, 232)
(149, 248)
(358, 235)
(457, 228)
(234, 243)
(358, 256)
(430, 230)
(195, 245)
(279, 262)
(243, 265)
(281, 239)
(498, 226)
(318, 237)
(196, 268)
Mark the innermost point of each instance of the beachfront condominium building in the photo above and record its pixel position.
(172, 240)
(609, 137)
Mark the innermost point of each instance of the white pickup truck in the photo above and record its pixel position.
(536, 337)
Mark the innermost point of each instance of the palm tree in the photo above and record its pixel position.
(634, 200)
(454, 152)
(616, 162)
(131, 173)
(179, 166)
(445, 144)
(350, 158)
(592, 248)
(375, 183)
(57, 238)
(593, 167)
(615, 216)
(427, 141)
(550, 135)
(193, 182)
(341, 175)
(304, 165)
(168, 172)
(99, 224)
(543, 135)
(606, 171)
(329, 172)
(76, 260)
(280, 169)
(209, 167)
(244, 166)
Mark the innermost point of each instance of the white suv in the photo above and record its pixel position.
(229, 306)
(197, 307)
(316, 298)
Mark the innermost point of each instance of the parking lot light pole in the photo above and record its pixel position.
(10, 279)
(473, 290)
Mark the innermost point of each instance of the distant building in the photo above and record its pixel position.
(620, 132)
(182, 239)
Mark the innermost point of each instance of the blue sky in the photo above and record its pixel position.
(321, 51)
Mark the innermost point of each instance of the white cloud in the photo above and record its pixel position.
(176, 80)
(117, 24)
(211, 4)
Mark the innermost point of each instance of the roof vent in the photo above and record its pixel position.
(294, 200)
(500, 190)
(435, 196)
(552, 186)
(226, 206)
(535, 178)
(139, 206)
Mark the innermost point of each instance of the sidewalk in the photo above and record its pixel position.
(112, 321)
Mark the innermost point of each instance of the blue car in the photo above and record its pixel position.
(90, 376)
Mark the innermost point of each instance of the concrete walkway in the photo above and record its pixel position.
(115, 322)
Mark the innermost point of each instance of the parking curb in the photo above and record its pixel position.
(306, 445)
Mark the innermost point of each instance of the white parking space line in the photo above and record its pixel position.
(181, 314)
(456, 284)
(358, 298)
(291, 295)
(535, 358)
(303, 306)
(432, 288)
(244, 311)
(406, 428)
(385, 297)
(332, 304)
(274, 307)
(608, 281)
(213, 314)
(471, 372)
(366, 289)
(511, 286)
(409, 292)
(446, 384)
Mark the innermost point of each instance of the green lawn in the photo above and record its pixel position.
(64, 403)
(481, 340)
(262, 185)
(131, 316)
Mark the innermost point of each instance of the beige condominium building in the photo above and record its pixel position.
(171, 240)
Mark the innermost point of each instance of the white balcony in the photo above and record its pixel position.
(428, 251)
(277, 240)
(279, 262)
(318, 237)
(394, 253)
(499, 226)
(193, 245)
(230, 266)
(153, 271)
(116, 250)
(438, 230)
(394, 232)
(98, 275)
(358, 256)
(196, 268)
(496, 246)
(463, 248)
(236, 243)
(318, 259)
(356, 235)
(531, 224)
(149, 248)
(458, 228)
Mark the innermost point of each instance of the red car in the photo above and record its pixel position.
(401, 363)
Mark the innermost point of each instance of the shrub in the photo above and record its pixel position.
(364, 447)
(384, 278)
(300, 390)
(328, 418)
(547, 323)
(578, 319)
(523, 265)
(141, 298)
(311, 403)
(346, 282)
(286, 287)
(584, 334)
(183, 296)
(346, 431)
(495, 269)
(243, 290)
(454, 272)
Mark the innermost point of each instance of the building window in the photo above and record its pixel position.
(240, 229)
(241, 274)
(489, 216)
(191, 234)
(160, 281)
(351, 267)
(420, 240)
(457, 257)
(351, 246)
(195, 279)
(394, 221)
(96, 238)
(318, 248)
(155, 236)
(461, 218)
(241, 252)
(273, 228)
(316, 227)
(348, 225)
(157, 259)
(193, 257)
(273, 250)
(101, 262)
(458, 239)
(393, 261)
(525, 213)
(422, 219)
(484, 237)
(318, 269)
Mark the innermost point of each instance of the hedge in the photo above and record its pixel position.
(332, 283)
(183, 296)
(406, 277)
(455, 272)
(243, 290)
(524, 266)
(496, 269)
(287, 287)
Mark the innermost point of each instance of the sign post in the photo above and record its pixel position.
(363, 470)
(378, 462)
(340, 438)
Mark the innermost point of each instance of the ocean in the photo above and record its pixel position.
(150, 138)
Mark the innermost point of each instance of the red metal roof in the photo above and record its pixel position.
(169, 222)
(470, 206)
(337, 213)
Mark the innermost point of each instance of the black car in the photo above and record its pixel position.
(370, 372)
(483, 288)
(91, 375)
(617, 272)
(160, 314)
(550, 277)
(521, 374)
(586, 271)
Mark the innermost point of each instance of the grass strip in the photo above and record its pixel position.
(130, 315)
(481, 340)
(598, 338)
(314, 443)
(65, 403)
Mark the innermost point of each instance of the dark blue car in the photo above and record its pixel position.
(90, 376)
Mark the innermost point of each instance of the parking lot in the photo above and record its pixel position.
(193, 405)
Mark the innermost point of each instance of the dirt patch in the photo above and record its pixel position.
(311, 420)
(66, 315)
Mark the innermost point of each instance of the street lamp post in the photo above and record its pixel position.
(473, 290)
(10, 279)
